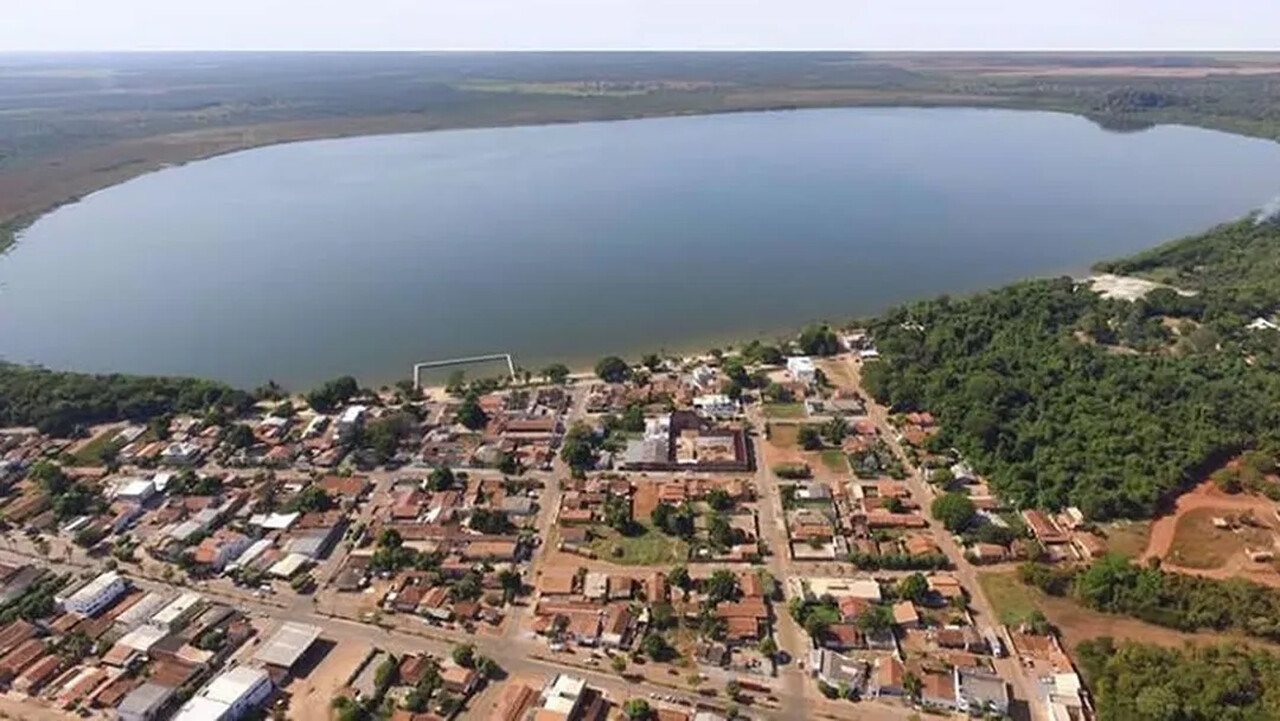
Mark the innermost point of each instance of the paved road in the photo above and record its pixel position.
(790, 637)
(1025, 689)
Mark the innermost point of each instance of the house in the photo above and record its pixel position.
(351, 420)
(181, 454)
(979, 692)
(221, 548)
(716, 405)
(834, 669)
(458, 679)
(905, 615)
(842, 637)
(988, 553)
(145, 702)
(229, 696)
(1044, 528)
(595, 586)
(743, 619)
(91, 598)
(615, 629)
(888, 678)
(938, 690)
(135, 491)
(584, 627)
(558, 582)
(801, 369)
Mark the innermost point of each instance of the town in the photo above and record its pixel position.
(741, 534)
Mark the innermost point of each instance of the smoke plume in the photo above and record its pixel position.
(1270, 213)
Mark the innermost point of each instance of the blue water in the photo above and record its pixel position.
(304, 261)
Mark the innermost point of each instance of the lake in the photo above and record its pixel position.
(305, 261)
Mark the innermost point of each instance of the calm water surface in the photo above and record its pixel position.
(300, 262)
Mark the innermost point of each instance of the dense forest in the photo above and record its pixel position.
(1064, 397)
(58, 403)
(1138, 682)
(1177, 600)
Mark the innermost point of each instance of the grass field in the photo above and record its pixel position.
(1011, 599)
(1129, 538)
(1198, 544)
(784, 435)
(835, 461)
(784, 410)
(651, 548)
(91, 453)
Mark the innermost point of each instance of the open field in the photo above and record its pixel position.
(1128, 538)
(1187, 540)
(788, 411)
(783, 435)
(834, 460)
(310, 696)
(1011, 600)
(1197, 543)
(73, 124)
(651, 548)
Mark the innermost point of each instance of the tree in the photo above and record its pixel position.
(661, 516)
(655, 646)
(835, 430)
(613, 369)
(912, 685)
(955, 510)
(662, 615)
(441, 479)
(719, 499)
(914, 587)
(619, 663)
(332, 394)
(680, 578)
(464, 655)
(578, 449)
(809, 438)
(556, 373)
(512, 584)
(238, 435)
(636, 709)
(733, 689)
(768, 647)
(470, 414)
(652, 361)
(722, 586)
(818, 340)
(875, 619)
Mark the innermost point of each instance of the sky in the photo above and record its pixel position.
(60, 25)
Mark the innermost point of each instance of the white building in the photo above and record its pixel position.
(802, 369)
(716, 405)
(96, 595)
(350, 420)
(182, 454)
(135, 490)
(564, 694)
(229, 696)
(175, 615)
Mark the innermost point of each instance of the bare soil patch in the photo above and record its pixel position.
(1198, 543)
(1217, 555)
(310, 696)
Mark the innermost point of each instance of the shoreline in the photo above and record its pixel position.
(58, 181)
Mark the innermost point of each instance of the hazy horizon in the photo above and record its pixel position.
(657, 25)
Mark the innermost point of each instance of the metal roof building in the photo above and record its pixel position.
(144, 702)
(287, 645)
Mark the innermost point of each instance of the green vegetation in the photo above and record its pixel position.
(613, 369)
(818, 340)
(1195, 683)
(1012, 600)
(332, 394)
(955, 510)
(784, 410)
(646, 548)
(470, 414)
(62, 403)
(556, 373)
(1025, 383)
(792, 471)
